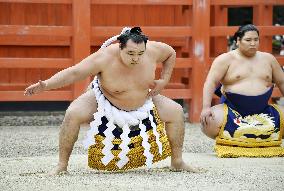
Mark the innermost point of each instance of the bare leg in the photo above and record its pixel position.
(81, 110)
(172, 114)
(213, 127)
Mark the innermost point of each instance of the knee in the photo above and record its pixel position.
(176, 115)
(209, 131)
(73, 115)
(204, 129)
(178, 112)
(173, 114)
(89, 87)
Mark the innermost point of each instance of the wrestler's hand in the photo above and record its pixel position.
(205, 116)
(156, 87)
(35, 88)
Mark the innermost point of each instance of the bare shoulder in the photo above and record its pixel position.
(111, 51)
(225, 58)
(104, 56)
(159, 45)
(160, 50)
(268, 57)
(219, 67)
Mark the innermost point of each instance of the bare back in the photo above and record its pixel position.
(247, 76)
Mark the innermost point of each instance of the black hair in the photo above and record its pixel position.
(243, 29)
(135, 34)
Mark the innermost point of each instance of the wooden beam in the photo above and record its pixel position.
(181, 63)
(35, 62)
(263, 30)
(34, 40)
(280, 59)
(16, 86)
(142, 2)
(175, 85)
(222, 30)
(246, 2)
(162, 31)
(44, 96)
(271, 30)
(173, 41)
(178, 93)
(38, 1)
(23, 30)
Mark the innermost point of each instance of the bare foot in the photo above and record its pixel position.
(178, 167)
(58, 170)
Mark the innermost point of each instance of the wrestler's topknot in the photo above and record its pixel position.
(135, 34)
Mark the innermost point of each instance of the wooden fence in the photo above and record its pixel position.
(41, 37)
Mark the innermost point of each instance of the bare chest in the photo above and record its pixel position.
(248, 70)
(119, 79)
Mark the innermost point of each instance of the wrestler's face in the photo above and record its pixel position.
(249, 44)
(133, 53)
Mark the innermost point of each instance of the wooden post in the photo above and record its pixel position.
(220, 19)
(263, 16)
(81, 43)
(219, 45)
(200, 55)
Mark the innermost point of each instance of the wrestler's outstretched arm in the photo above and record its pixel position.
(216, 73)
(166, 55)
(91, 65)
(277, 74)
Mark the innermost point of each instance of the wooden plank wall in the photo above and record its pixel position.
(41, 37)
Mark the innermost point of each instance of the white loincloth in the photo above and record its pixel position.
(123, 119)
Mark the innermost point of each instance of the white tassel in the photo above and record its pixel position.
(146, 145)
(156, 134)
(94, 130)
(108, 143)
(114, 38)
(124, 147)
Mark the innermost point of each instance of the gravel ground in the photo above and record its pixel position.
(28, 149)
(29, 118)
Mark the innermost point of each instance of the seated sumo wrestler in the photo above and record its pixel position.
(244, 124)
(250, 122)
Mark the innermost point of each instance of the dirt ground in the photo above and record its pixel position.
(28, 149)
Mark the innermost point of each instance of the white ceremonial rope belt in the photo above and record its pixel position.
(124, 120)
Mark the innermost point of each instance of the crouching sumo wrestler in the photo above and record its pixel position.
(127, 118)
